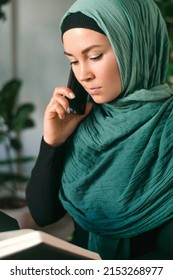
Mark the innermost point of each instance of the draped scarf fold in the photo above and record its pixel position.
(117, 180)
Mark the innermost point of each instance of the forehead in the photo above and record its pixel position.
(82, 38)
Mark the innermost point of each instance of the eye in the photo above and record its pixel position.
(73, 62)
(97, 57)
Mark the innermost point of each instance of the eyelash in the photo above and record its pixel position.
(73, 62)
(96, 58)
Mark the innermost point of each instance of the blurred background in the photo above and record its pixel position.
(31, 51)
(32, 64)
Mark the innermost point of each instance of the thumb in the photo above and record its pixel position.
(88, 108)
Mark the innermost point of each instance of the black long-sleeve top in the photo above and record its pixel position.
(43, 187)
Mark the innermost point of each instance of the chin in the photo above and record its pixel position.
(99, 100)
(102, 100)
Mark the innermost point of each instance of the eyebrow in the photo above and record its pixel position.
(85, 50)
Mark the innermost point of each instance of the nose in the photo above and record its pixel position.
(85, 73)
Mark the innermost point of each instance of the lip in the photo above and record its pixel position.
(93, 91)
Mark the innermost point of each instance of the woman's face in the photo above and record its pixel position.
(94, 63)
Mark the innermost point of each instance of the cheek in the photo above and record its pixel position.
(111, 76)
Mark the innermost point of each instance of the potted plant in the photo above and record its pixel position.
(14, 119)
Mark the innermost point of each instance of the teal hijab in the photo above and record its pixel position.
(117, 180)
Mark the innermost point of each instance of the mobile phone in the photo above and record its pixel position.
(78, 104)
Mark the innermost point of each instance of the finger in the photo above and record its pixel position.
(54, 109)
(61, 95)
(88, 108)
(60, 111)
(64, 91)
(61, 100)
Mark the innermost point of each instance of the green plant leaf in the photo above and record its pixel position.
(16, 144)
(20, 120)
(8, 98)
(2, 14)
(3, 2)
(9, 177)
(29, 123)
(17, 160)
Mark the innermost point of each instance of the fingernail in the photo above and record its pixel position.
(71, 94)
(68, 110)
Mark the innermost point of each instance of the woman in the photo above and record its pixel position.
(110, 168)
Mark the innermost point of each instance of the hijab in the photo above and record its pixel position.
(117, 180)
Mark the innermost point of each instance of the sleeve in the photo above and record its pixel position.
(44, 183)
(8, 223)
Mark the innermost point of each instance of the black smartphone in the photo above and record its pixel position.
(78, 104)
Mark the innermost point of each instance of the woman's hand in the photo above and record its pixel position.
(59, 122)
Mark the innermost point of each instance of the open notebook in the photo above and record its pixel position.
(28, 244)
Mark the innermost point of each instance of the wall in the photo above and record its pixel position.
(40, 62)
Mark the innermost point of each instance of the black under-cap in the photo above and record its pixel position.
(79, 20)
